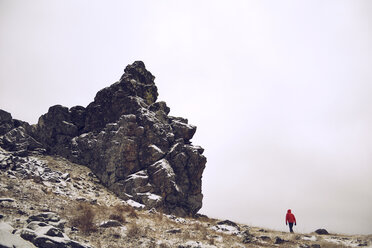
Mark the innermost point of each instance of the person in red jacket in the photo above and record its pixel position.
(290, 218)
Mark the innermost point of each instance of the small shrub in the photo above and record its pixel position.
(121, 209)
(84, 218)
(116, 235)
(132, 213)
(134, 231)
(164, 245)
(211, 241)
(186, 235)
(159, 216)
(118, 213)
(118, 217)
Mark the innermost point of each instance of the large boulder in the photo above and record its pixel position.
(10, 240)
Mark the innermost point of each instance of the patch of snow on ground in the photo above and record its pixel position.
(226, 229)
(197, 244)
(312, 238)
(154, 197)
(176, 219)
(349, 242)
(135, 204)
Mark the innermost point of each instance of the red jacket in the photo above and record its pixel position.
(290, 218)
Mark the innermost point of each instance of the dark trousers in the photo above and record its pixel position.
(291, 227)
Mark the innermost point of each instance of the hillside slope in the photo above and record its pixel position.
(52, 202)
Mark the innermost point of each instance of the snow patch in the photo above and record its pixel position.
(345, 242)
(312, 238)
(197, 244)
(135, 204)
(226, 229)
(139, 174)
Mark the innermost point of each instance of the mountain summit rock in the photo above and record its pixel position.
(126, 138)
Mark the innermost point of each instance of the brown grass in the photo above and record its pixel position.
(117, 213)
(325, 244)
(83, 218)
(164, 245)
(124, 209)
(135, 231)
(118, 217)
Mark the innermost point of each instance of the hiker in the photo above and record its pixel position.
(290, 218)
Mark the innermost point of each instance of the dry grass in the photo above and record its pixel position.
(325, 244)
(118, 217)
(117, 213)
(133, 214)
(83, 218)
(164, 245)
(135, 231)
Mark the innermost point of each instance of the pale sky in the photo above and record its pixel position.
(280, 92)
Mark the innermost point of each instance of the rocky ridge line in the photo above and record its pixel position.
(126, 138)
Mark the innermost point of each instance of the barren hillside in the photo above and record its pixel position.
(51, 202)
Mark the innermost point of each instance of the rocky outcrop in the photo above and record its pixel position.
(126, 138)
(45, 230)
(14, 136)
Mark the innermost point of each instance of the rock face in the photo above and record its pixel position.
(14, 136)
(126, 138)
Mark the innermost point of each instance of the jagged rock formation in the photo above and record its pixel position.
(14, 136)
(126, 138)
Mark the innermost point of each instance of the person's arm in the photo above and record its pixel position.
(286, 219)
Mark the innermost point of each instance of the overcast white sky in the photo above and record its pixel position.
(280, 92)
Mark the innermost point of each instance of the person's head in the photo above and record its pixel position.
(289, 211)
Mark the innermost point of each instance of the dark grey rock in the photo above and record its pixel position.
(44, 217)
(265, 238)
(183, 130)
(363, 244)
(54, 232)
(19, 142)
(315, 246)
(110, 223)
(33, 225)
(27, 234)
(227, 222)
(279, 241)
(174, 231)
(6, 123)
(321, 232)
(247, 237)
